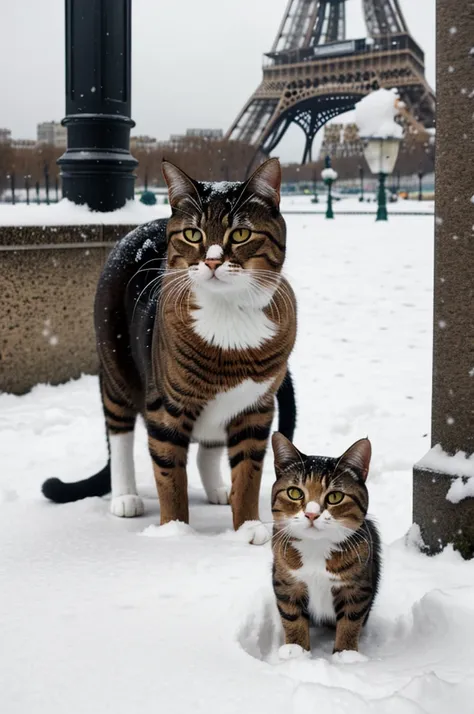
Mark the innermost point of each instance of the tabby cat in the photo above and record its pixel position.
(326, 552)
(194, 325)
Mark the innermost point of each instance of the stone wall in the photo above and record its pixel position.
(48, 277)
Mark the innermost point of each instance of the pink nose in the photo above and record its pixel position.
(213, 264)
(312, 516)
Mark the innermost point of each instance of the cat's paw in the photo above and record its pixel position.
(254, 532)
(129, 506)
(219, 496)
(293, 652)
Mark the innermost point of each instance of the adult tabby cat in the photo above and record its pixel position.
(326, 552)
(194, 327)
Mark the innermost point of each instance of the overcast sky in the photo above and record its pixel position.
(194, 62)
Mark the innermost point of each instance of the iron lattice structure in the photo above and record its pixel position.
(313, 73)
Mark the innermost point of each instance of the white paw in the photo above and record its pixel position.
(254, 532)
(219, 495)
(292, 652)
(128, 506)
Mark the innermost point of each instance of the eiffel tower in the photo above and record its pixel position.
(313, 73)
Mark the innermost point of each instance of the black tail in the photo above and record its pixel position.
(286, 407)
(60, 492)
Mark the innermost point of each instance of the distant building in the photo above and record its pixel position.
(211, 134)
(53, 133)
(5, 136)
(23, 144)
(340, 141)
(142, 143)
(191, 139)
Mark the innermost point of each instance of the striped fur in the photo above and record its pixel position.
(194, 325)
(326, 557)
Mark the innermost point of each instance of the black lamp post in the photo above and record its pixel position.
(37, 188)
(12, 186)
(46, 181)
(361, 176)
(97, 168)
(315, 198)
(420, 185)
(329, 176)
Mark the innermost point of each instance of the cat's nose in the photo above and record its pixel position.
(311, 516)
(213, 264)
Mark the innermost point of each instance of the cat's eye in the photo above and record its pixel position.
(296, 494)
(335, 497)
(192, 235)
(240, 235)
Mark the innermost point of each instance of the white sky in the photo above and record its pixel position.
(195, 62)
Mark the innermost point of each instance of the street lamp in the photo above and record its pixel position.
(328, 175)
(361, 176)
(381, 155)
(420, 185)
(315, 198)
(381, 137)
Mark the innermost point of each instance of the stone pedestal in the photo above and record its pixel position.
(453, 349)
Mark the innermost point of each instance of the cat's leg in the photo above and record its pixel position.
(120, 422)
(247, 437)
(291, 598)
(295, 624)
(209, 459)
(347, 634)
(169, 430)
(352, 608)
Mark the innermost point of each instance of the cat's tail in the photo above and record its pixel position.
(286, 407)
(60, 492)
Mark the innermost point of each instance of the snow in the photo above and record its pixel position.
(102, 615)
(374, 115)
(351, 204)
(69, 214)
(458, 464)
(328, 174)
(133, 213)
(460, 489)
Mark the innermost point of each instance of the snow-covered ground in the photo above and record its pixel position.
(67, 213)
(103, 615)
(348, 203)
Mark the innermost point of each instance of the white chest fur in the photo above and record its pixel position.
(319, 582)
(221, 322)
(211, 423)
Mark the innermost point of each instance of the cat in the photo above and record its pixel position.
(326, 552)
(194, 326)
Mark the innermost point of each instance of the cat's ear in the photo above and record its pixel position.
(266, 181)
(180, 185)
(358, 457)
(285, 452)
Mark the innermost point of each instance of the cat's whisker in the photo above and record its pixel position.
(142, 268)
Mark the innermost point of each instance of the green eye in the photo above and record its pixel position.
(296, 494)
(192, 235)
(240, 235)
(335, 497)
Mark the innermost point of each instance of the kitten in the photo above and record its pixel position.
(194, 326)
(326, 552)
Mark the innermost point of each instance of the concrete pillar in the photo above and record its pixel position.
(440, 520)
